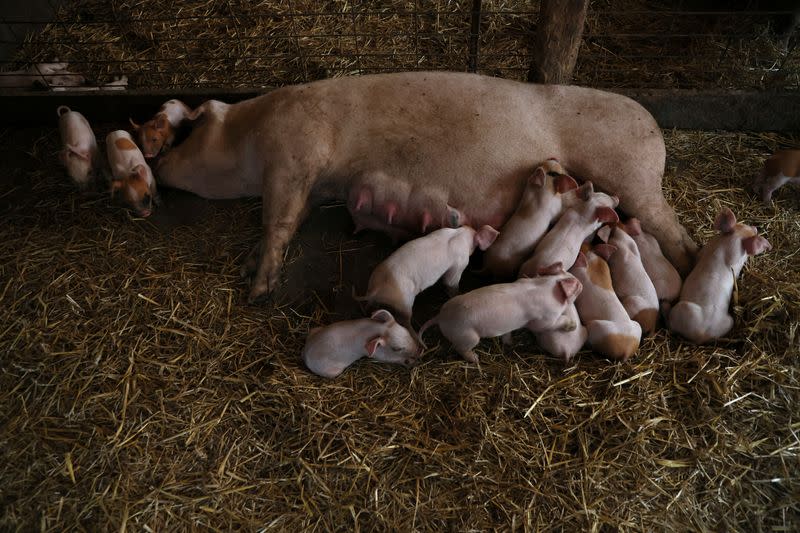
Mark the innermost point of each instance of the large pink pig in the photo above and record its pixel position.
(702, 315)
(563, 242)
(536, 303)
(418, 264)
(548, 193)
(610, 330)
(330, 350)
(631, 282)
(438, 138)
(79, 154)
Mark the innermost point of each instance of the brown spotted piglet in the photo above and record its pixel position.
(702, 315)
(779, 169)
(79, 154)
(330, 350)
(548, 192)
(131, 176)
(536, 303)
(418, 264)
(563, 242)
(631, 283)
(611, 332)
(157, 134)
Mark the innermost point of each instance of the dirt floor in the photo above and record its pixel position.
(138, 389)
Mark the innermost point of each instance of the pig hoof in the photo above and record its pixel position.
(470, 356)
(569, 326)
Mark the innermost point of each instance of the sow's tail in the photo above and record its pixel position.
(62, 109)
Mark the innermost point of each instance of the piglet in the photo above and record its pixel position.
(781, 168)
(665, 278)
(536, 303)
(564, 344)
(131, 174)
(79, 154)
(631, 282)
(563, 242)
(610, 330)
(157, 134)
(330, 350)
(702, 315)
(548, 192)
(418, 264)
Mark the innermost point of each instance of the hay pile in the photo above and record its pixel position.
(138, 391)
(218, 43)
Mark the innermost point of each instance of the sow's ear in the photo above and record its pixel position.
(564, 183)
(755, 245)
(568, 289)
(382, 315)
(725, 221)
(373, 344)
(485, 236)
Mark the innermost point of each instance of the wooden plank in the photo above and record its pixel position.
(682, 109)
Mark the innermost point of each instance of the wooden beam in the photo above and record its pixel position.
(682, 109)
(557, 39)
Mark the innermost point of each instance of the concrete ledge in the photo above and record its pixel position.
(682, 109)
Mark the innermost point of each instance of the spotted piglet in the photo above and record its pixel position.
(631, 282)
(536, 303)
(610, 330)
(563, 242)
(548, 192)
(702, 315)
(79, 154)
(157, 134)
(780, 168)
(418, 264)
(331, 349)
(131, 174)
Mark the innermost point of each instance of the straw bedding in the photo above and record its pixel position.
(138, 389)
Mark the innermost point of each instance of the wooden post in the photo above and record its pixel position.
(558, 37)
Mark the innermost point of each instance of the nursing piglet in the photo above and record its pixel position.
(157, 134)
(563, 242)
(330, 350)
(610, 330)
(702, 315)
(560, 343)
(131, 175)
(781, 168)
(536, 303)
(631, 282)
(79, 154)
(548, 192)
(418, 264)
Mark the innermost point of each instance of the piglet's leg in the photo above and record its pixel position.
(285, 205)
(452, 278)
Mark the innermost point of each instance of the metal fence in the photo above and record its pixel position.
(156, 44)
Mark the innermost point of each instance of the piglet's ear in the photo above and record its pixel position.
(604, 233)
(485, 236)
(373, 344)
(134, 125)
(755, 245)
(580, 261)
(537, 178)
(552, 270)
(605, 250)
(585, 191)
(725, 221)
(382, 315)
(161, 122)
(606, 215)
(633, 227)
(115, 186)
(564, 183)
(568, 289)
(78, 153)
(139, 172)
